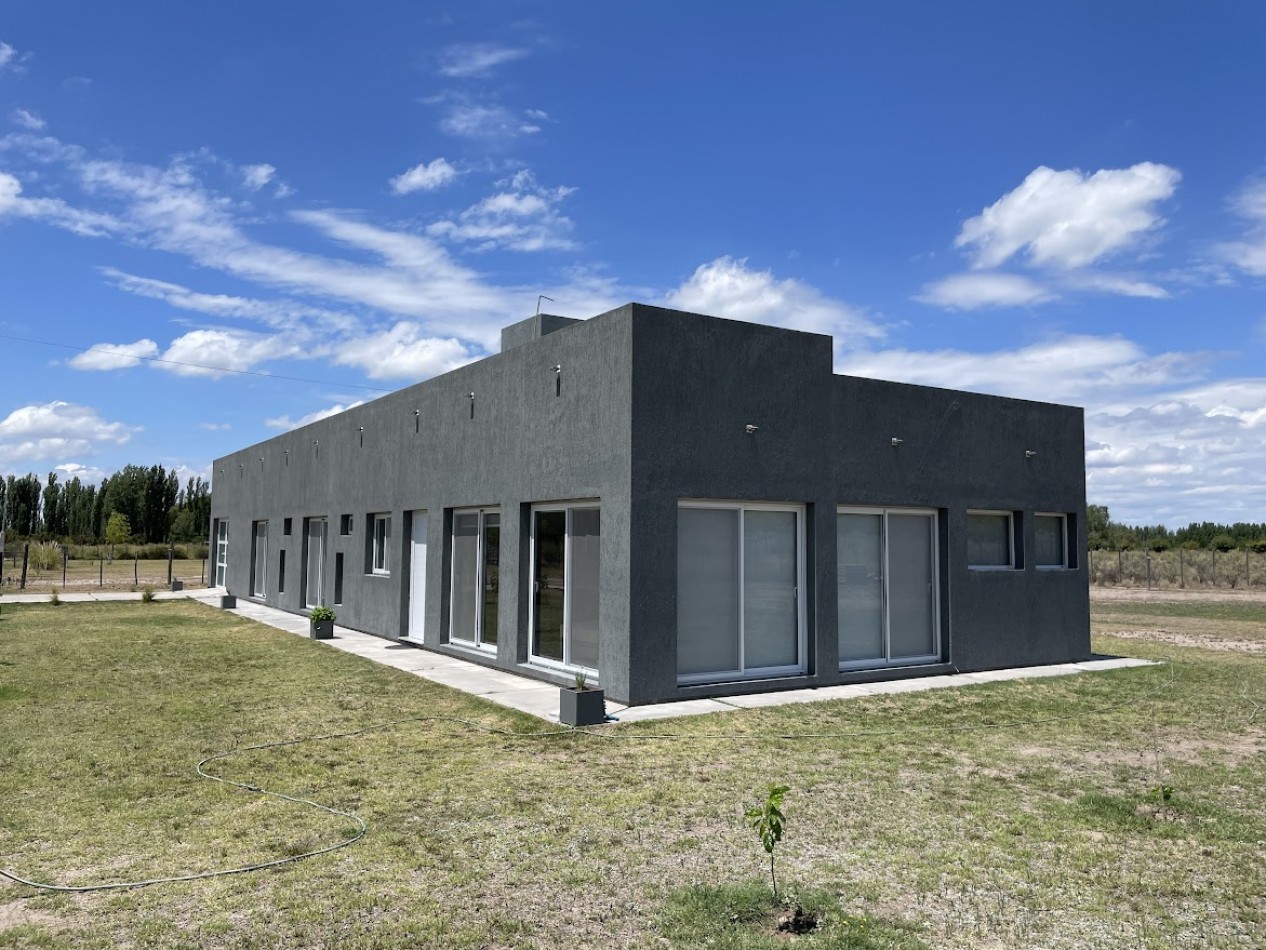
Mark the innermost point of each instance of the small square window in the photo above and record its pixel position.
(380, 556)
(345, 525)
(1050, 541)
(990, 540)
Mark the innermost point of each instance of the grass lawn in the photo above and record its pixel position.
(917, 834)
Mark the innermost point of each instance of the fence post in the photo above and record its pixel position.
(1120, 567)
(26, 554)
(136, 569)
(1182, 577)
(169, 557)
(204, 572)
(1214, 581)
(1090, 564)
(1148, 558)
(100, 570)
(65, 550)
(1247, 574)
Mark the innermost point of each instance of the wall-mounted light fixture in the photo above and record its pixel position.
(558, 379)
(471, 397)
(287, 454)
(751, 429)
(417, 421)
(361, 431)
(896, 441)
(316, 445)
(1029, 453)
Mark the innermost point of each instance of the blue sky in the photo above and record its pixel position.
(1062, 203)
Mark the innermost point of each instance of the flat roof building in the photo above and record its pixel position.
(678, 506)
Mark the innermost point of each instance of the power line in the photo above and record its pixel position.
(214, 369)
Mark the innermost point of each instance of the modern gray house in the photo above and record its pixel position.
(679, 506)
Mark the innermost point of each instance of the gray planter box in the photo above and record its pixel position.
(581, 707)
(177, 585)
(321, 629)
(228, 601)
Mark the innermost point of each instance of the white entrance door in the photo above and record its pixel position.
(315, 577)
(417, 576)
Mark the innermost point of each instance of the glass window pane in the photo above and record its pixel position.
(860, 585)
(316, 562)
(492, 587)
(260, 566)
(1048, 539)
(550, 531)
(769, 589)
(910, 586)
(989, 540)
(707, 590)
(464, 595)
(586, 542)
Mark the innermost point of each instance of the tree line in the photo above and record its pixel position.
(147, 505)
(1104, 534)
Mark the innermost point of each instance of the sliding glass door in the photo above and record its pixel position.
(475, 582)
(566, 567)
(886, 589)
(740, 570)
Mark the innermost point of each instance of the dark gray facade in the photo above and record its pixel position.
(719, 436)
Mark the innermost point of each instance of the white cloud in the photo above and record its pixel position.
(53, 211)
(476, 60)
(109, 356)
(55, 430)
(523, 216)
(285, 422)
(1249, 253)
(278, 314)
(27, 120)
(403, 352)
(984, 289)
(215, 426)
(1120, 284)
(477, 120)
(727, 287)
(85, 473)
(1068, 219)
(216, 350)
(11, 59)
(1080, 369)
(256, 177)
(424, 177)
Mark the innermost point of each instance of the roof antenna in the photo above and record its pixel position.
(541, 297)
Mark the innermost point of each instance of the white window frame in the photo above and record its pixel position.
(380, 554)
(934, 657)
(222, 554)
(768, 672)
(1063, 533)
(566, 666)
(480, 580)
(1011, 561)
(319, 601)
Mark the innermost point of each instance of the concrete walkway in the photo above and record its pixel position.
(541, 699)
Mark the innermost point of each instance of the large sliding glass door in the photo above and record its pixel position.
(886, 587)
(740, 570)
(566, 568)
(475, 583)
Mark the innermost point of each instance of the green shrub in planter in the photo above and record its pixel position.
(321, 623)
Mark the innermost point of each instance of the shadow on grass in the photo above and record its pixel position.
(745, 917)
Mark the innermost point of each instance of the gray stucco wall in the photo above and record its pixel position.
(524, 444)
(652, 408)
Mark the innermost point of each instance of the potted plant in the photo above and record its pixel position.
(581, 705)
(228, 601)
(321, 623)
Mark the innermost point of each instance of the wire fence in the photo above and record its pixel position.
(1179, 570)
(20, 571)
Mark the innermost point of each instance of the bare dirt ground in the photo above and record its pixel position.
(1141, 595)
